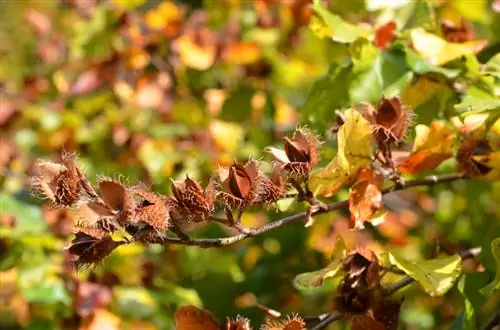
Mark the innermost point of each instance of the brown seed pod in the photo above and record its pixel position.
(190, 202)
(152, 209)
(240, 323)
(292, 322)
(271, 188)
(91, 250)
(237, 186)
(60, 183)
(300, 154)
(391, 121)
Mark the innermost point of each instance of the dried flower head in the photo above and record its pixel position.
(391, 120)
(60, 183)
(240, 323)
(190, 202)
(152, 209)
(300, 154)
(91, 250)
(238, 185)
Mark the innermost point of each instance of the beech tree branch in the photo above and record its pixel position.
(225, 241)
(325, 320)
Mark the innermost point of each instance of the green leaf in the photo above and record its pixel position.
(43, 285)
(419, 65)
(134, 301)
(327, 94)
(492, 67)
(469, 286)
(341, 31)
(436, 276)
(417, 13)
(474, 104)
(29, 219)
(238, 107)
(316, 278)
(495, 284)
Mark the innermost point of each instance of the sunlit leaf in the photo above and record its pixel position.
(432, 146)
(341, 31)
(439, 51)
(102, 319)
(354, 153)
(436, 276)
(316, 278)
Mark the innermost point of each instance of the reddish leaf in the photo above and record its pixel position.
(192, 318)
(384, 34)
(365, 198)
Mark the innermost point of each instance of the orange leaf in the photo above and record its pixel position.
(197, 55)
(242, 53)
(101, 319)
(384, 35)
(192, 318)
(433, 145)
(365, 198)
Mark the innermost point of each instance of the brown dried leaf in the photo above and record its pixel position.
(365, 198)
(192, 318)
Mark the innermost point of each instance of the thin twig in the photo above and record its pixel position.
(332, 317)
(225, 241)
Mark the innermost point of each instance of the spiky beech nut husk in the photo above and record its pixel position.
(470, 147)
(391, 120)
(271, 188)
(190, 202)
(112, 209)
(300, 154)
(238, 185)
(60, 183)
(151, 209)
(239, 323)
(91, 250)
(292, 322)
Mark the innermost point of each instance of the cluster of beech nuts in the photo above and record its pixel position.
(112, 206)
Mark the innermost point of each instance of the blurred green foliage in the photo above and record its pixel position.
(152, 90)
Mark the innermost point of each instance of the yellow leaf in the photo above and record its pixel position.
(432, 146)
(354, 153)
(438, 51)
(194, 55)
(226, 135)
(101, 319)
(492, 161)
(436, 276)
(316, 278)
